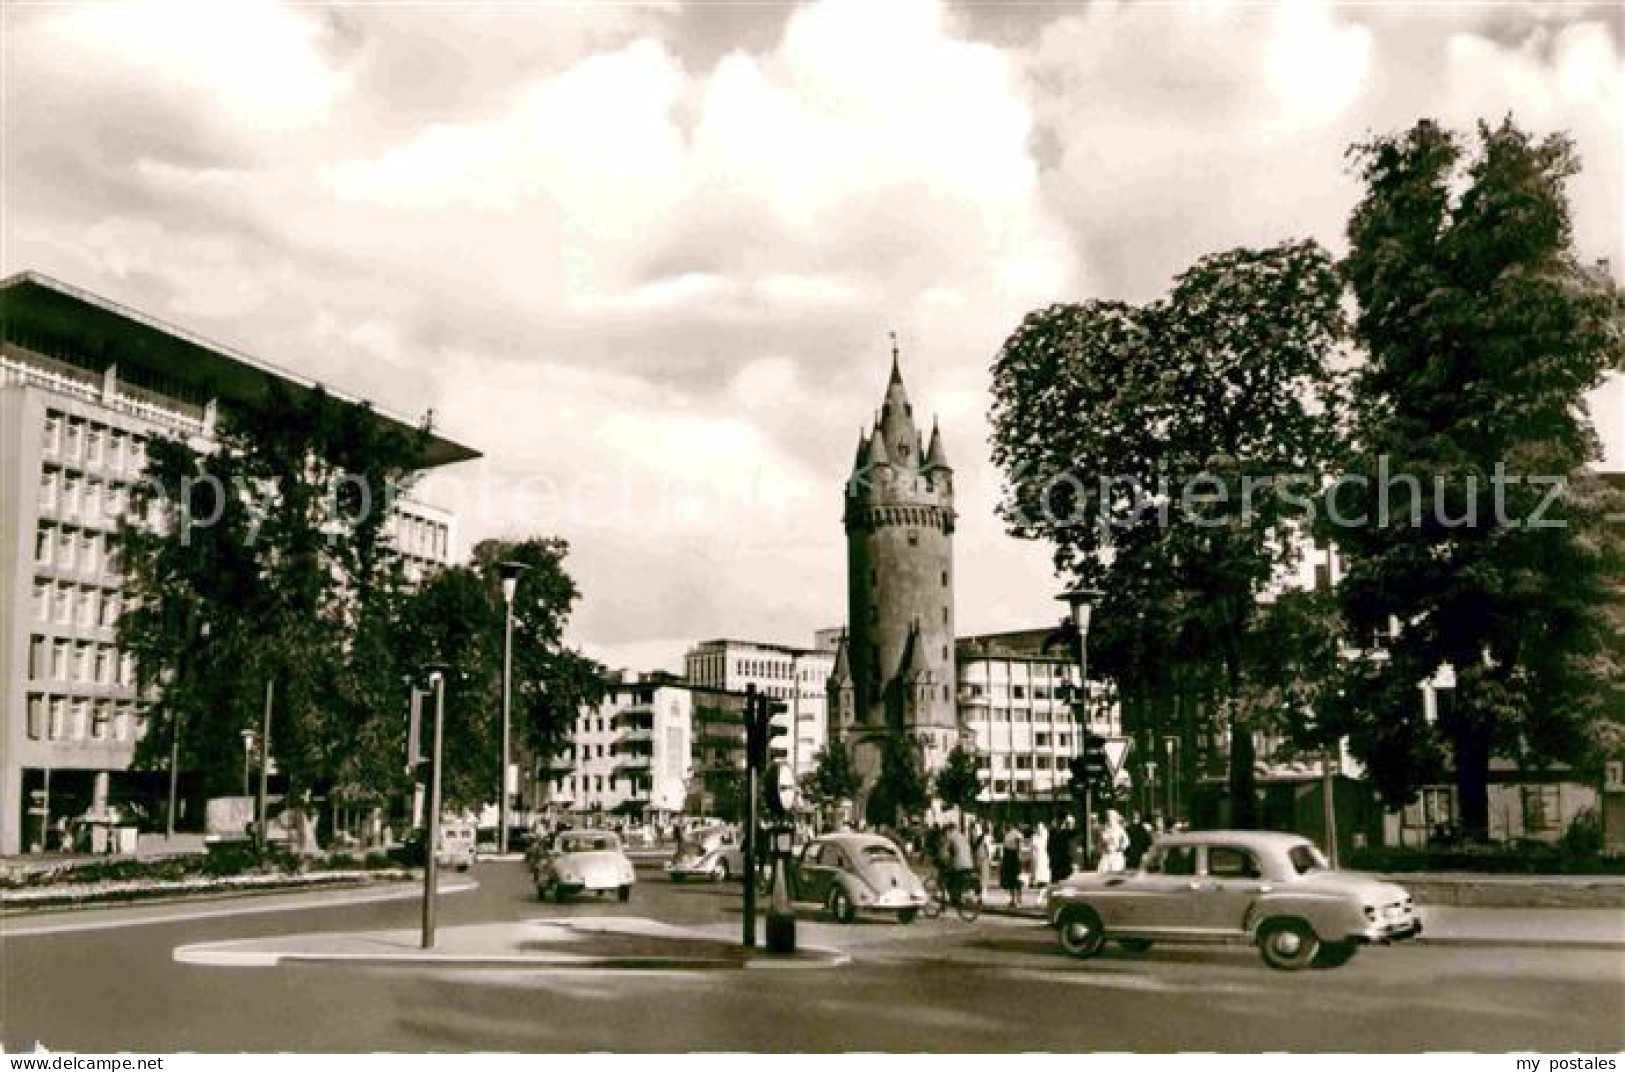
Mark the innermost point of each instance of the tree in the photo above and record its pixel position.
(272, 551)
(834, 777)
(1167, 451)
(901, 792)
(1483, 332)
(959, 782)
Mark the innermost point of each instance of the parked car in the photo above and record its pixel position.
(457, 845)
(852, 873)
(716, 853)
(581, 861)
(1275, 891)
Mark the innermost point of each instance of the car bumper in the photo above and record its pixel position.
(693, 870)
(1384, 933)
(893, 901)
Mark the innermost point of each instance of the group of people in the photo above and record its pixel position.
(1033, 857)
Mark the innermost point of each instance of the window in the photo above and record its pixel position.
(1018, 691)
(58, 728)
(47, 489)
(74, 440)
(53, 433)
(1540, 808)
(914, 537)
(93, 446)
(1173, 860)
(944, 578)
(42, 601)
(1306, 858)
(42, 546)
(60, 654)
(1226, 862)
(39, 658)
(38, 715)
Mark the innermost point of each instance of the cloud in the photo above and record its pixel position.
(645, 256)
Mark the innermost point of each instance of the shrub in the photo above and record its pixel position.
(1583, 838)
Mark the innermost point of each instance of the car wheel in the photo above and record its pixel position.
(1335, 954)
(840, 906)
(907, 915)
(1082, 934)
(1288, 944)
(624, 893)
(1134, 945)
(720, 872)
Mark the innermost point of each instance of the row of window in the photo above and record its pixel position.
(73, 439)
(594, 783)
(74, 550)
(58, 718)
(1024, 762)
(424, 539)
(975, 690)
(80, 663)
(1023, 714)
(66, 603)
(72, 496)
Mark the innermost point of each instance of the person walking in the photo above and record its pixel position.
(1038, 868)
(1113, 844)
(1010, 864)
(1061, 844)
(982, 846)
(1139, 842)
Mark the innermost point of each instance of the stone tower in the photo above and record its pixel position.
(895, 669)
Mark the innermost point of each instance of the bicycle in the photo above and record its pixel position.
(967, 900)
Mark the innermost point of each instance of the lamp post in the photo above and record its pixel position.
(431, 846)
(510, 572)
(184, 681)
(248, 752)
(1081, 602)
(265, 764)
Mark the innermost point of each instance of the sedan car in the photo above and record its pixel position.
(581, 861)
(714, 853)
(1275, 891)
(852, 873)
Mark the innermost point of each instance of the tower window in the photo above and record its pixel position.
(944, 615)
(944, 578)
(913, 537)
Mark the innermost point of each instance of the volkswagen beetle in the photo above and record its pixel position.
(852, 873)
(1272, 890)
(713, 852)
(581, 861)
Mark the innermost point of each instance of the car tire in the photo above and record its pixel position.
(1137, 946)
(1288, 944)
(719, 874)
(1335, 954)
(1082, 934)
(908, 915)
(840, 906)
(624, 894)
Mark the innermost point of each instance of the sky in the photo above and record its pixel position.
(646, 257)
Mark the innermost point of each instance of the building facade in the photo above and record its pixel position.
(895, 670)
(798, 677)
(657, 746)
(85, 385)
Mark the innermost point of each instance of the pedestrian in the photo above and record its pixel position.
(1010, 864)
(1140, 837)
(1061, 847)
(982, 846)
(1113, 843)
(1039, 871)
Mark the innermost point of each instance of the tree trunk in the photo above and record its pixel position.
(1243, 787)
(1472, 761)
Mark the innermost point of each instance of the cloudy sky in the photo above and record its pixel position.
(645, 257)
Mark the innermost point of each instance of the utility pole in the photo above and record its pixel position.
(510, 572)
(754, 710)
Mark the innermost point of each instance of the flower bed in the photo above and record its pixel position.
(114, 890)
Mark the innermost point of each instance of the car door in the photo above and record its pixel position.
(813, 873)
(1157, 900)
(1234, 879)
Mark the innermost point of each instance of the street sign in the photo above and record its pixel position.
(1116, 749)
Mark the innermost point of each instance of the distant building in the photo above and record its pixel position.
(85, 385)
(797, 676)
(895, 670)
(657, 746)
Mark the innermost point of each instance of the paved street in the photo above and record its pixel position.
(999, 984)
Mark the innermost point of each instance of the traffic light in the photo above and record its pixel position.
(758, 720)
(1094, 758)
(1080, 776)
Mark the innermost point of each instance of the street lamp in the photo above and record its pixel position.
(431, 848)
(1081, 602)
(248, 752)
(510, 571)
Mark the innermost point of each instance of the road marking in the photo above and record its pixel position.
(37, 930)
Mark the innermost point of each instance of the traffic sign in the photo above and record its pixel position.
(1116, 750)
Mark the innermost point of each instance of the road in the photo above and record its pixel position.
(998, 985)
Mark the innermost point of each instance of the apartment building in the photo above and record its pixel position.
(797, 676)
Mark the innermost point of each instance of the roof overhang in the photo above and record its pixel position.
(45, 307)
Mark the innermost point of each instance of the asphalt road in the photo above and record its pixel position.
(998, 985)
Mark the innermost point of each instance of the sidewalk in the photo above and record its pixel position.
(575, 943)
(1566, 928)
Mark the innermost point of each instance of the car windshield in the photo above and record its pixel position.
(1306, 858)
(881, 854)
(587, 843)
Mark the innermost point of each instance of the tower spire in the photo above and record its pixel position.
(896, 372)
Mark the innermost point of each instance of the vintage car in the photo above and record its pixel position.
(581, 861)
(1272, 890)
(714, 853)
(852, 873)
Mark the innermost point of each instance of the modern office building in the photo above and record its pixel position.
(85, 385)
(796, 676)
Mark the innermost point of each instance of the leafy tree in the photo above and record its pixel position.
(1483, 332)
(272, 549)
(959, 782)
(1167, 450)
(901, 792)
